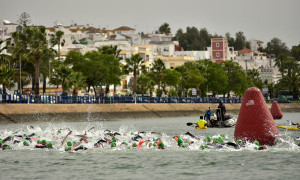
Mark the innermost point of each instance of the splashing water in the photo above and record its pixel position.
(127, 136)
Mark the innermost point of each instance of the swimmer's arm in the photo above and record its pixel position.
(63, 141)
(107, 139)
(156, 133)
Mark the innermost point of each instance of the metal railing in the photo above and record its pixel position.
(42, 99)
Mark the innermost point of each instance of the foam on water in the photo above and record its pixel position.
(49, 132)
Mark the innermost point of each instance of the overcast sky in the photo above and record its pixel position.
(260, 19)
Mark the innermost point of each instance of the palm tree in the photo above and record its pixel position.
(37, 45)
(143, 80)
(165, 29)
(16, 45)
(3, 56)
(291, 82)
(290, 64)
(158, 69)
(183, 78)
(6, 77)
(56, 39)
(110, 49)
(133, 64)
(279, 62)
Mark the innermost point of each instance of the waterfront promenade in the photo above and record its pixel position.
(23, 113)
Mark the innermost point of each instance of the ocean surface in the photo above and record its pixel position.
(26, 162)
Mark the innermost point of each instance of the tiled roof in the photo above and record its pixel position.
(123, 28)
(51, 29)
(245, 50)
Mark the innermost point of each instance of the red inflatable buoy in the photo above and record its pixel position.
(276, 111)
(255, 121)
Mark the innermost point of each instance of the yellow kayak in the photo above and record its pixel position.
(289, 127)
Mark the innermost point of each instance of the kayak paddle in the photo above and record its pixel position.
(189, 124)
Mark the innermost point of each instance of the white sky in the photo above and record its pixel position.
(261, 19)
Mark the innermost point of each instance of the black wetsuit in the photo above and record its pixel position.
(135, 138)
(80, 148)
(222, 111)
(100, 142)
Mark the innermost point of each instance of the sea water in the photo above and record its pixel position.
(25, 162)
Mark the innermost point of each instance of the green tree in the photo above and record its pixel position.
(237, 78)
(24, 19)
(254, 76)
(277, 47)
(181, 38)
(183, 78)
(56, 39)
(158, 69)
(164, 29)
(279, 62)
(95, 70)
(134, 64)
(195, 79)
(172, 78)
(6, 77)
(296, 52)
(229, 39)
(217, 79)
(62, 76)
(112, 50)
(290, 64)
(142, 81)
(77, 81)
(240, 41)
(291, 83)
(205, 38)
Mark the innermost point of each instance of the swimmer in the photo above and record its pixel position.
(191, 135)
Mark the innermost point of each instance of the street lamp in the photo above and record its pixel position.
(246, 61)
(20, 76)
(49, 78)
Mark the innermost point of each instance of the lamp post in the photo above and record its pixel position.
(246, 61)
(49, 78)
(20, 75)
(207, 94)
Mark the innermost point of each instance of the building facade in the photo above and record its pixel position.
(219, 49)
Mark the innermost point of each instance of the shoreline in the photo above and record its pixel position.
(24, 113)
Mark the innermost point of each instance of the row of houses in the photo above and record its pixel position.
(151, 46)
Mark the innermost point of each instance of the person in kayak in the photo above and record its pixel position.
(201, 123)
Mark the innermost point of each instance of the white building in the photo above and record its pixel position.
(255, 44)
(6, 28)
(249, 59)
(162, 45)
(199, 55)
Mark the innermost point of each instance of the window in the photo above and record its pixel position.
(217, 44)
(218, 54)
(124, 83)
